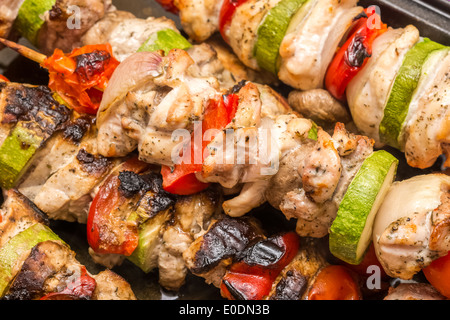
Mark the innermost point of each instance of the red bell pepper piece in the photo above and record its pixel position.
(248, 280)
(81, 76)
(226, 14)
(354, 54)
(3, 78)
(107, 232)
(181, 178)
(438, 274)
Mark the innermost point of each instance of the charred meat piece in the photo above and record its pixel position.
(63, 26)
(50, 267)
(210, 254)
(191, 218)
(34, 106)
(51, 271)
(302, 191)
(297, 277)
(199, 17)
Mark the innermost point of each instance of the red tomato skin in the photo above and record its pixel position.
(334, 282)
(226, 15)
(438, 274)
(100, 221)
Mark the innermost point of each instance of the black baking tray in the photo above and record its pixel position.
(432, 18)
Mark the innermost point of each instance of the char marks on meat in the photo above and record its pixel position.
(290, 287)
(132, 183)
(30, 103)
(76, 129)
(264, 253)
(93, 164)
(225, 239)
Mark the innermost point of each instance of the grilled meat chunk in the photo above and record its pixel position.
(50, 267)
(199, 18)
(39, 268)
(320, 106)
(314, 216)
(294, 282)
(192, 217)
(412, 226)
(111, 286)
(67, 21)
(147, 98)
(413, 291)
(210, 254)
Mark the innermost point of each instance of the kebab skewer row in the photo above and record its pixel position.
(394, 81)
(63, 182)
(101, 23)
(366, 145)
(89, 68)
(250, 265)
(246, 273)
(63, 177)
(368, 40)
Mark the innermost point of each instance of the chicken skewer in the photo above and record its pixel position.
(405, 133)
(46, 187)
(368, 65)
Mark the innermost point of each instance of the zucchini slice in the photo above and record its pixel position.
(272, 31)
(29, 19)
(402, 91)
(15, 154)
(351, 231)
